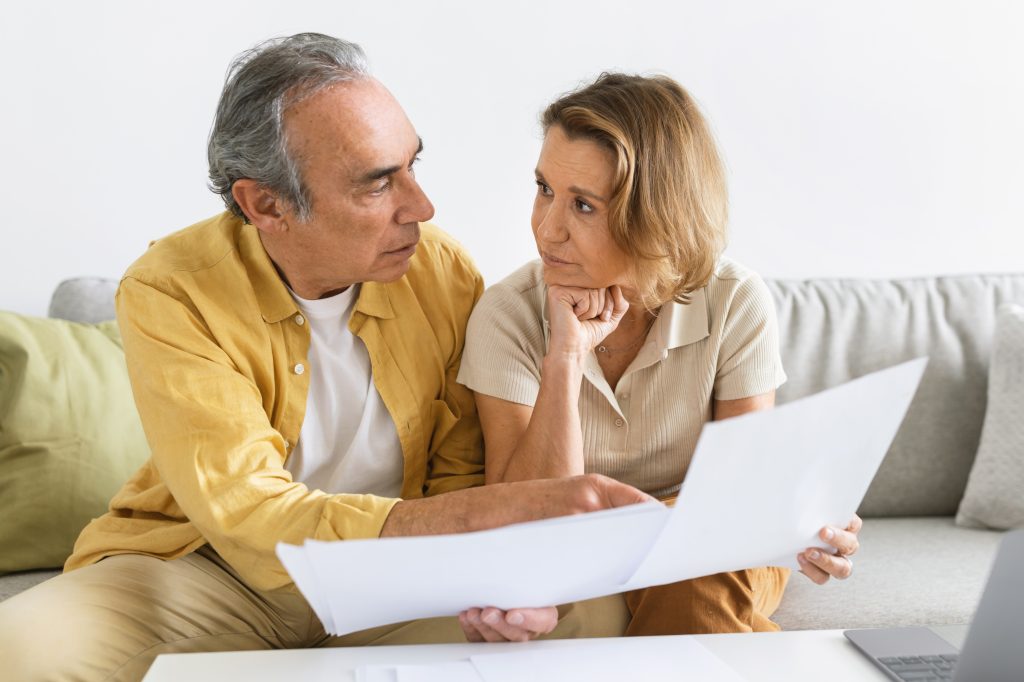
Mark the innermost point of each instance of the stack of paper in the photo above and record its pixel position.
(758, 490)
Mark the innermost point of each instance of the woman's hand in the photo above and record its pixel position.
(820, 565)
(581, 318)
(515, 625)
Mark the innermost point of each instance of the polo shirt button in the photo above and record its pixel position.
(619, 423)
(625, 396)
(299, 368)
(300, 320)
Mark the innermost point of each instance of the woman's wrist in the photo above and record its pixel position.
(563, 362)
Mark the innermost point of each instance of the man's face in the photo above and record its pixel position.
(355, 149)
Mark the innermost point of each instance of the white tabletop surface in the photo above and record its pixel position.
(775, 656)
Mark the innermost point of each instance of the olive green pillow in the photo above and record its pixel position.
(69, 434)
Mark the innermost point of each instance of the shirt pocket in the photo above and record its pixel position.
(443, 418)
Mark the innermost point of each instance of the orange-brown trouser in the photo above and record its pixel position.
(741, 601)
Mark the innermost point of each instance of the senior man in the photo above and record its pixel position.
(293, 360)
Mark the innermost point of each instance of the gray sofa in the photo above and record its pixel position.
(915, 565)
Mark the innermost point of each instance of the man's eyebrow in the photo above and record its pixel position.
(379, 173)
(574, 189)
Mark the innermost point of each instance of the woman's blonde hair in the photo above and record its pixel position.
(669, 205)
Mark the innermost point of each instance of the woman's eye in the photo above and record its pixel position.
(543, 188)
(584, 207)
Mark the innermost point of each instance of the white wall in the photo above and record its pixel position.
(875, 138)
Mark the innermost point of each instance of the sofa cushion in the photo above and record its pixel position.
(832, 331)
(69, 434)
(84, 299)
(995, 489)
(912, 571)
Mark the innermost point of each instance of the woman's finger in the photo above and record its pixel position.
(843, 540)
(835, 566)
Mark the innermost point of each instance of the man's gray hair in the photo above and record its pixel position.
(248, 139)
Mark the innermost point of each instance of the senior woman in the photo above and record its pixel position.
(609, 353)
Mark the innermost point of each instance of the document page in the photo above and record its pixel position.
(757, 492)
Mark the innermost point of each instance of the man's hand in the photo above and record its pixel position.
(820, 565)
(514, 625)
(504, 503)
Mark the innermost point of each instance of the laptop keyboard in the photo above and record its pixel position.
(921, 668)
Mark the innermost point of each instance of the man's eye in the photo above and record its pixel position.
(543, 188)
(384, 186)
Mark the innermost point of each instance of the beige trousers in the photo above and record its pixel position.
(110, 620)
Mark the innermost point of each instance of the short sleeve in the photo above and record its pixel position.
(504, 346)
(749, 362)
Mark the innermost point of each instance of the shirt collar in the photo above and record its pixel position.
(275, 302)
(684, 323)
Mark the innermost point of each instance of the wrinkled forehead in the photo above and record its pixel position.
(354, 125)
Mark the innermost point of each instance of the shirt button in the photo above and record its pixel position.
(300, 320)
(299, 368)
(619, 423)
(625, 396)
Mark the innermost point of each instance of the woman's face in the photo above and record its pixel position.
(570, 214)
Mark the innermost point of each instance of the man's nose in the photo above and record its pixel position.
(417, 207)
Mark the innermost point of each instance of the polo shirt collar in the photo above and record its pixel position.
(683, 324)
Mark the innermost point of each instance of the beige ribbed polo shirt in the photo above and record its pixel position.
(722, 345)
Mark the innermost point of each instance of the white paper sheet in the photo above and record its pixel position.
(759, 488)
(611, 660)
(373, 582)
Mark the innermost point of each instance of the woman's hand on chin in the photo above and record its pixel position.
(581, 318)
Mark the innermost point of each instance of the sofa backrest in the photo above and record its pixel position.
(832, 331)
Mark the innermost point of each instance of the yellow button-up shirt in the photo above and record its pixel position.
(217, 354)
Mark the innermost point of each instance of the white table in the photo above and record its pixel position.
(762, 657)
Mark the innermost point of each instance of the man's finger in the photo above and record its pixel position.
(486, 631)
(536, 621)
(618, 494)
(855, 524)
(468, 629)
(496, 620)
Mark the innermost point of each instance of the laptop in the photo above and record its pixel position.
(994, 648)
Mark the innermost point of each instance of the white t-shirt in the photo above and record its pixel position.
(348, 442)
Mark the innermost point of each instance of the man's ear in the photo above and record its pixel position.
(260, 206)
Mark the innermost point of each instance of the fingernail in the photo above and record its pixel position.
(814, 553)
(829, 533)
(801, 558)
(515, 619)
(491, 618)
